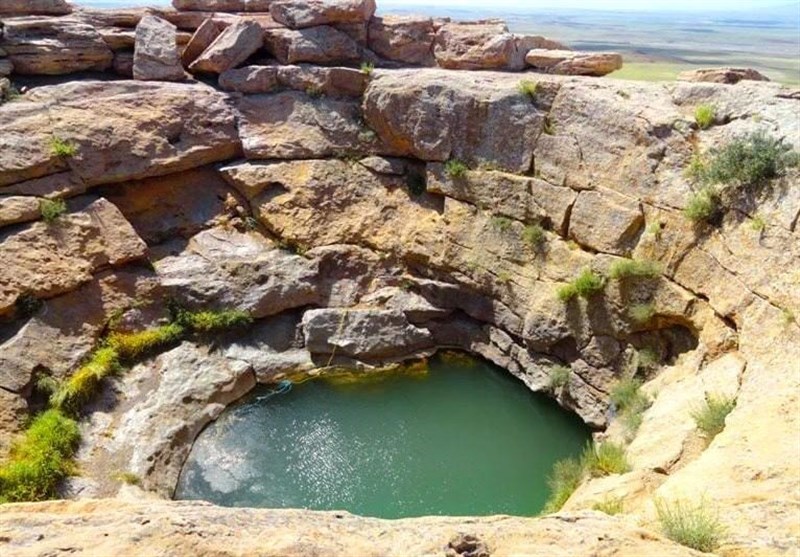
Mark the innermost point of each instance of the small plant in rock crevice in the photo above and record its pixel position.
(454, 168)
(610, 506)
(642, 313)
(710, 417)
(694, 526)
(703, 205)
(604, 459)
(630, 403)
(704, 116)
(62, 148)
(503, 224)
(534, 236)
(367, 68)
(634, 268)
(528, 88)
(52, 209)
(558, 378)
(585, 285)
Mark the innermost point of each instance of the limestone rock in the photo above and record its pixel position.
(230, 49)
(323, 45)
(250, 79)
(13, 410)
(567, 62)
(364, 334)
(65, 330)
(201, 40)
(121, 130)
(406, 39)
(35, 7)
(292, 125)
(385, 165)
(176, 205)
(16, 209)
(606, 222)
(175, 526)
(729, 76)
(156, 55)
(479, 46)
(334, 82)
(54, 46)
(297, 14)
(47, 260)
(228, 269)
(436, 115)
(123, 64)
(118, 38)
(193, 388)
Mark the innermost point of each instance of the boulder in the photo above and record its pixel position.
(728, 76)
(201, 40)
(298, 14)
(121, 130)
(319, 45)
(405, 39)
(484, 45)
(250, 79)
(45, 260)
(54, 46)
(227, 269)
(15, 209)
(222, 5)
(436, 115)
(606, 221)
(170, 401)
(567, 62)
(293, 125)
(35, 7)
(334, 82)
(156, 55)
(232, 47)
(365, 334)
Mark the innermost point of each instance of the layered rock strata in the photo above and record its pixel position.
(327, 203)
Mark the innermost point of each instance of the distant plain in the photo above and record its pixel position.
(656, 45)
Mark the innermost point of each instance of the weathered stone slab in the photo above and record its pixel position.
(298, 14)
(406, 39)
(319, 45)
(567, 62)
(230, 49)
(156, 55)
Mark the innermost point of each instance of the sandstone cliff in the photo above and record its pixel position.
(430, 207)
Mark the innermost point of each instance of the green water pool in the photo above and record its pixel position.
(463, 438)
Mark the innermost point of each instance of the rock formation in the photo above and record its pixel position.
(367, 216)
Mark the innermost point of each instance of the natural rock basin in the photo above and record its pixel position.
(463, 438)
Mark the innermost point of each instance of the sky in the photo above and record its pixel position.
(601, 4)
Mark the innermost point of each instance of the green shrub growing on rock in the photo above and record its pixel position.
(81, 385)
(704, 116)
(562, 482)
(604, 459)
(367, 68)
(528, 88)
(630, 402)
(503, 224)
(534, 235)
(692, 526)
(749, 161)
(210, 321)
(52, 209)
(40, 459)
(634, 268)
(587, 284)
(62, 148)
(710, 417)
(558, 378)
(641, 313)
(454, 168)
(702, 206)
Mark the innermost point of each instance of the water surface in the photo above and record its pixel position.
(465, 438)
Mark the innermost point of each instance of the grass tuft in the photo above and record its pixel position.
(587, 284)
(710, 417)
(630, 268)
(130, 346)
(62, 148)
(705, 116)
(695, 527)
(562, 482)
(641, 313)
(558, 378)
(534, 235)
(503, 224)
(455, 168)
(604, 459)
(81, 385)
(52, 209)
(528, 87)
(702, 206)
(647, 359)
(630, 403)
(210, 321)
(367, 68)
(610, 506)
(40, 460)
